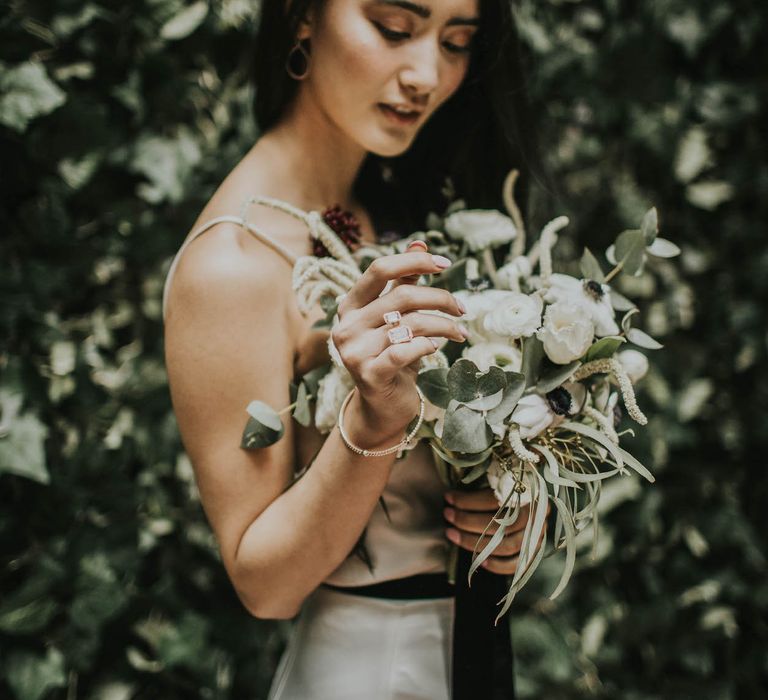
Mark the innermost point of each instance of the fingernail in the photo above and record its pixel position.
(452, 535)
(420, 244)
(441, 261)
(460, 304)
(464, 330)
(449, 513)
(449, 497)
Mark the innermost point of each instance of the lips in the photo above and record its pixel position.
(400, 117)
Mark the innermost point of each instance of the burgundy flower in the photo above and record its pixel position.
(345, 224)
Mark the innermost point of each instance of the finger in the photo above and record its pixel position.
(377, 340)
(477, 521)
(399, 355)
(482, 499)
(505, 565)
(510, 543)
(390, 267)
(416, 245)
(407, 298)
(501, 565)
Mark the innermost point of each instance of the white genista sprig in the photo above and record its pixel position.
(314, 277)
(613, 366)
(605, 423)
(520, 450)
(547, 241)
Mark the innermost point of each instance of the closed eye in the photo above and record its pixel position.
(392, 35)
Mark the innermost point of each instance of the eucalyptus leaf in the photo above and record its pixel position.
(460, 462)
(554, 376)
(604, 348)
(650, 226)
(533, 354)
(642, 339)
(474, 474)
(512, 393)
(486, 403)
(630, 250)
(625, 321)
(434, 384)
(570, 546)
(636, 465)
(662, 248)
(590, 267)
(620, 302)
(263, 428)
(465, 430)
(301, 412)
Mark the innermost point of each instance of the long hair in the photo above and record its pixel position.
(472, 141)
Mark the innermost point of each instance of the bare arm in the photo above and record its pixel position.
(229, 341)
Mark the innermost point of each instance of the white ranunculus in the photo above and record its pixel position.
(635, 363)
(478, 304)
(480, 228)
(594, 297)
(533, 415)
(517, 316)
(567, 332)
(503, 482)
(502, 355)
(331, 391)
(510, 274)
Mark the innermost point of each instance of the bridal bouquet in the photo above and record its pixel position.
(531, 405)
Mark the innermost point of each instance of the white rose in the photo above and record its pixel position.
(503, 482)
(533, 415)
(594, 297)
(567, 333)
(635, 363)
(480, 228)
(331, 391)
(499, 354)
(478, 304)
(517, 316)
(509, 275)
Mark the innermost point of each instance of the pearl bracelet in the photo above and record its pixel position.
(378, 453)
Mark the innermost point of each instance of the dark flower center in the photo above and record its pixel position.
(559, 401)
(594, 289)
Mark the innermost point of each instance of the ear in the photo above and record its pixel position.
(306, 24)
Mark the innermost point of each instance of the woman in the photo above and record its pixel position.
(370, 104)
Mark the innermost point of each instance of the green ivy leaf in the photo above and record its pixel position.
(31, 676)
(22, 450)
(26, 92)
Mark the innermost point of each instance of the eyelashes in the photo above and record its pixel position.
(392, 35)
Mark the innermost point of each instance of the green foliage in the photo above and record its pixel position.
(118, 121)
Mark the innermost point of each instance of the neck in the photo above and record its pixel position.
(314, 163)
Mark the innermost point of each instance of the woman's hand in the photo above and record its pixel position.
(469, 512)
(385, 372)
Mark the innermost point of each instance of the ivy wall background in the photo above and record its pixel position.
(117, 122)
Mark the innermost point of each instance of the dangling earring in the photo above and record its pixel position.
(291, 55)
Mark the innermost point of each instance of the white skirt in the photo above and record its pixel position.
(349, 647)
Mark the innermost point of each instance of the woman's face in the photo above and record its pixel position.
(368, 53)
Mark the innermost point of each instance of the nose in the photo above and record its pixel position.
(420, 77)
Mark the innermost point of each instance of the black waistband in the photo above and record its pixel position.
(415, 587)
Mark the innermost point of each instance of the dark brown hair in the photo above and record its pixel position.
(482, 131)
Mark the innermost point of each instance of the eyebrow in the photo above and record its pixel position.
(425, 12)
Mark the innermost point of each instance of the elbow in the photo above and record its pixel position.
(270, 610)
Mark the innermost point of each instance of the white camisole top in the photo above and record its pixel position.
(412, 540)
